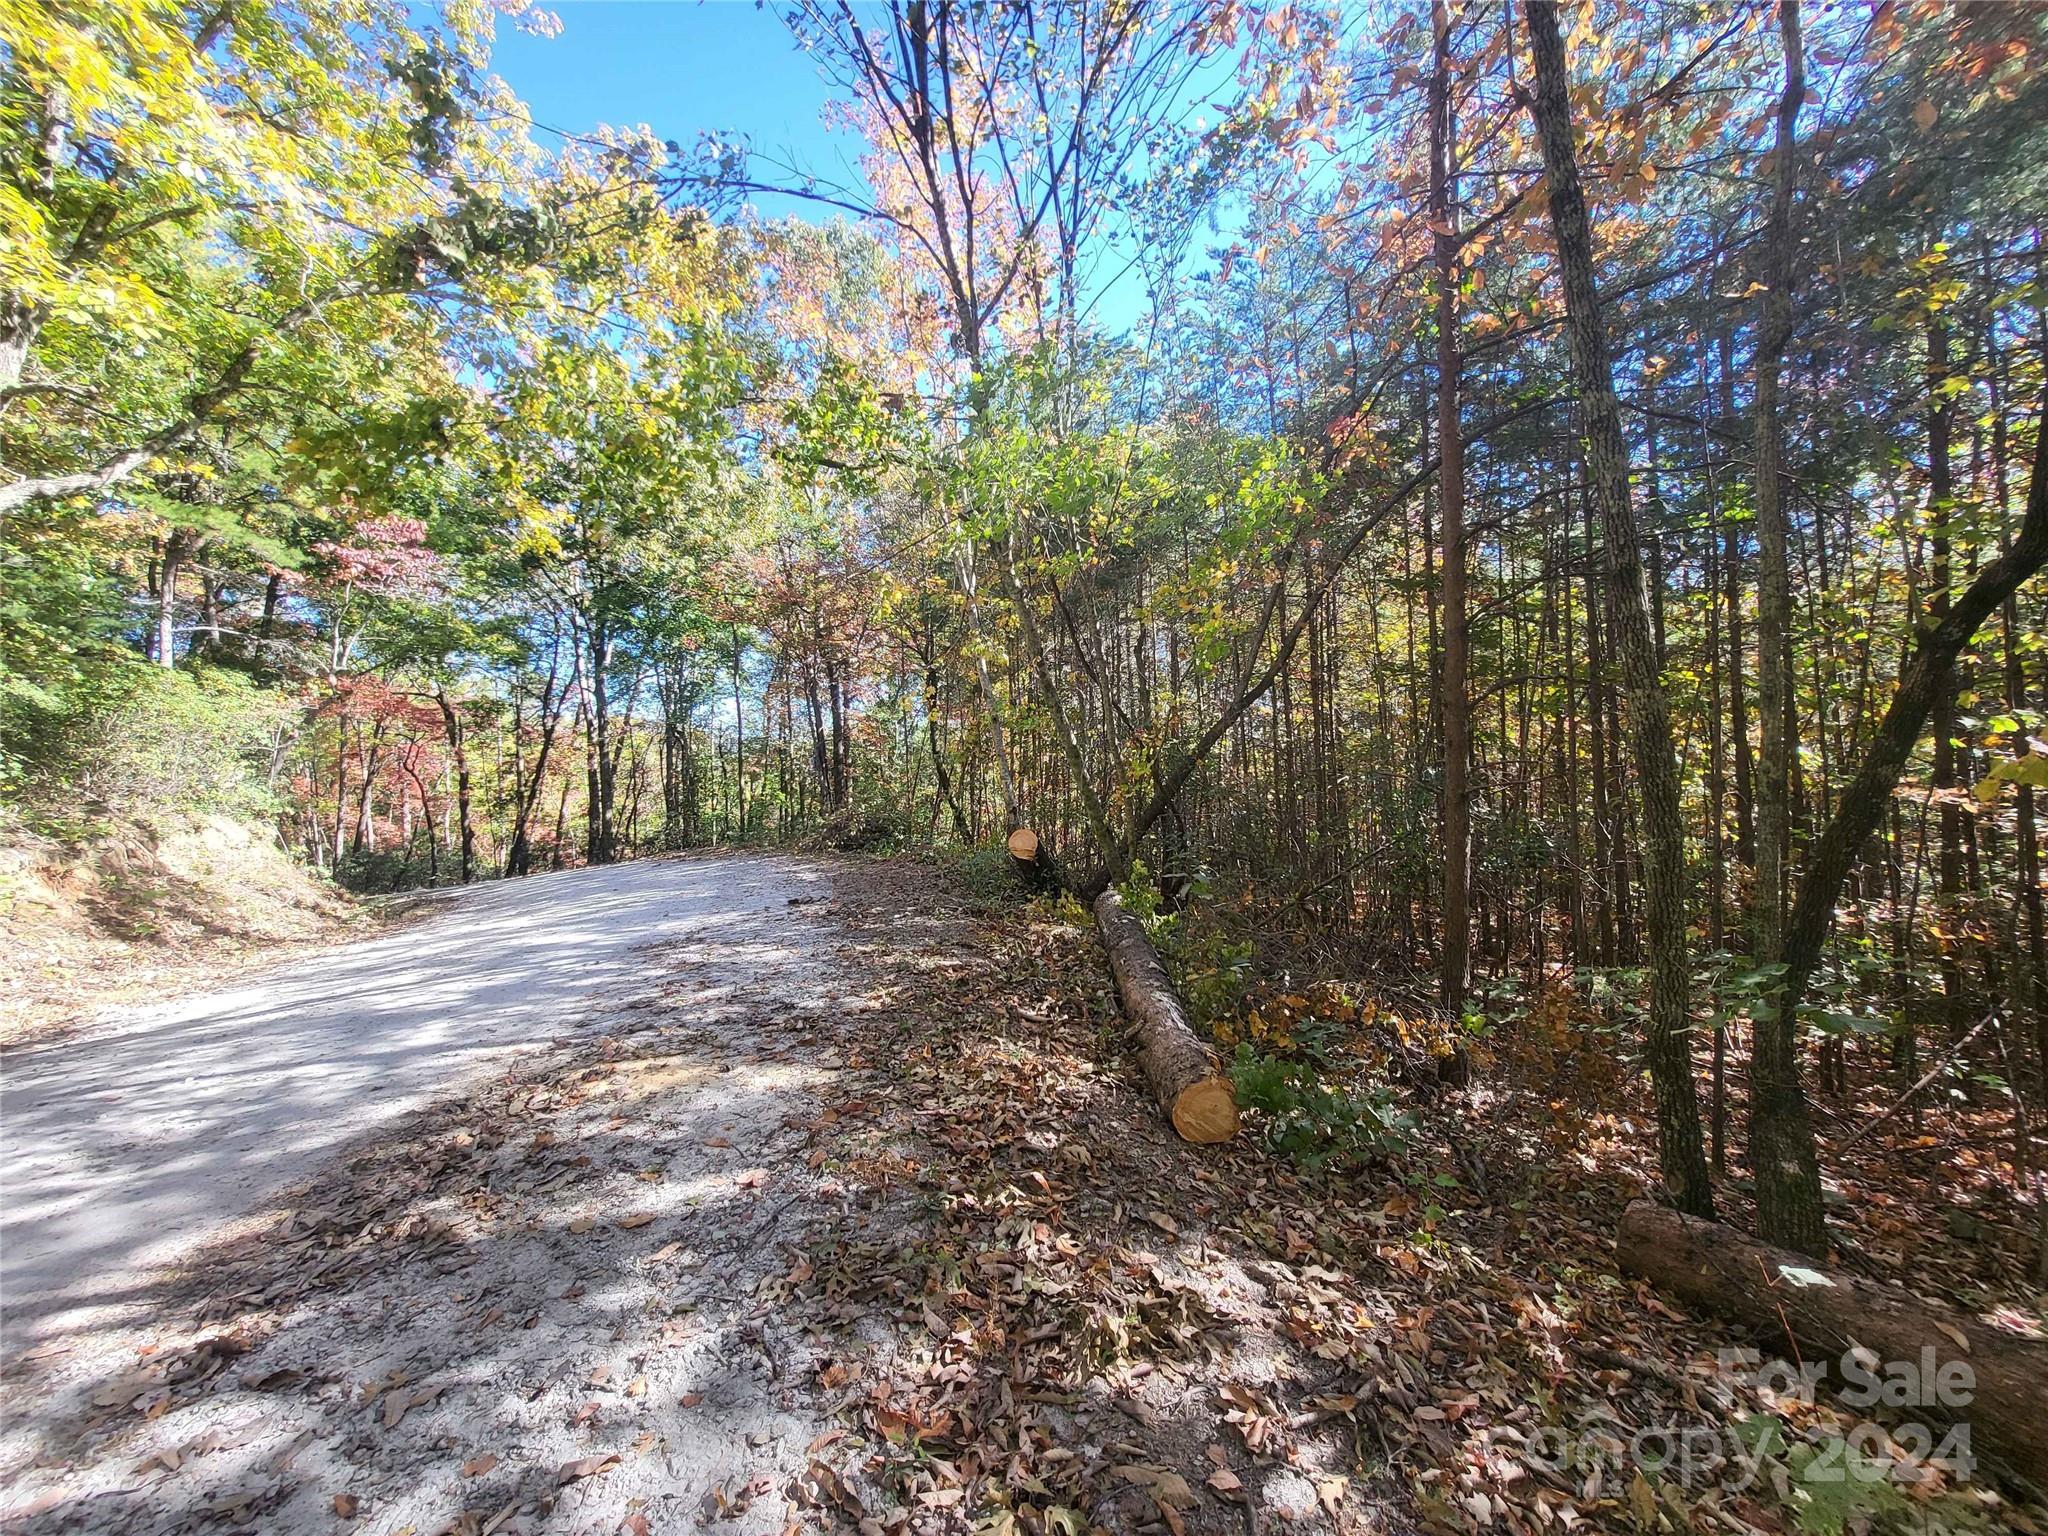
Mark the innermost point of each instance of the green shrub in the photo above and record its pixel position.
(383, 871)
(1211, 968)
(1313, 1123)
(62, 616)
(870, 827)
(146, 739)
(986, 871)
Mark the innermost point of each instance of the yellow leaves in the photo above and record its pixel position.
(2030, 769)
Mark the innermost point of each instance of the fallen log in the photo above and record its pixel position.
(1183, 1072)
(1816, 1317)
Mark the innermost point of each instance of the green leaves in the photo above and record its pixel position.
(1316, 1125)
(2031, 769)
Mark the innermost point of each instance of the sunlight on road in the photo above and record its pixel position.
(127, 1144)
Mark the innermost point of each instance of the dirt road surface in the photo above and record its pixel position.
(129, 1143)
(163, 1155)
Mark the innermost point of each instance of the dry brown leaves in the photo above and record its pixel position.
(1436, 1328)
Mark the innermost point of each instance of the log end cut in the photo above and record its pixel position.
(1024, 845)
(1205, 1112)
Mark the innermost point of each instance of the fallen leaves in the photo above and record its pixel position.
(1001, 1349)
(168, 1376)
(398, 1404)
(123, 1390)
(1166, 1486)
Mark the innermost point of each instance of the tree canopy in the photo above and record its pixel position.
(1519, 499)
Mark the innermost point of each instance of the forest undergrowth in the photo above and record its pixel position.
(1457, 1338)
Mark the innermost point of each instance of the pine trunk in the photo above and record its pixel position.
(1648, 716)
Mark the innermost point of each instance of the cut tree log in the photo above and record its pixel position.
(1183, 1072)
(1032, 862)
(1816, 1316)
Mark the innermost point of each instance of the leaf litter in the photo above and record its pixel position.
(956, 1277)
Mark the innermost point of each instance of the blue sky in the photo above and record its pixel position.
(682, 67)
(689, 67)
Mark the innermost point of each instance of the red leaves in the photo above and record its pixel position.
(385, 556)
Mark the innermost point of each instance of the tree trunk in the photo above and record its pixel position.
(364, 833)
(739, 724)
(1941, 577)
(965, 566)
(602, 785)
(1113, 857)
(1198, 1100)
(1923, 681)
(167, 597)
(836, 706)
(1738, 695)
(452, 722)
(1774, 592)
(1781, 1151)
(1457, 702)
(272, 586)
(20, 323)
(940, 776)
(1648, 716)
(1818, 1318)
